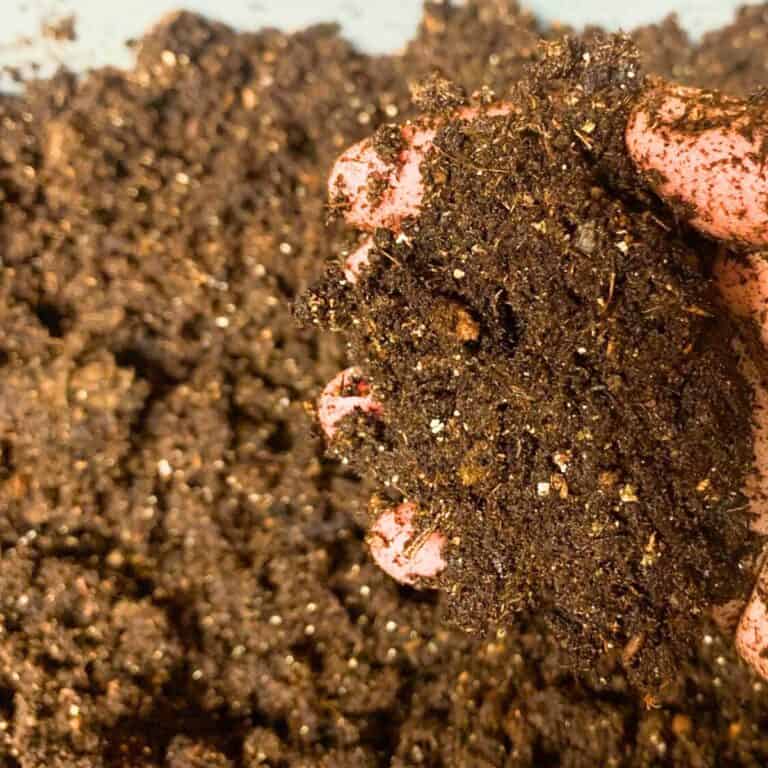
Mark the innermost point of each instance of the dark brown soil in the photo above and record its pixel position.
(182, 579)
(560, 393)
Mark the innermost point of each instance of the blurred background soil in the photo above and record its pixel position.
(182, 579)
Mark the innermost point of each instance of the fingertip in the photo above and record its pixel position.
(705, 150)
(399, 553)
(349, 181)
(651, 120)
(752, 634)
(378, 193)
(335, 403)
(650, 140)
(357, 261)
(743, 283)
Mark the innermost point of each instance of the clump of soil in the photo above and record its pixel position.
(560, 392)
(62, 29)
(183, 580)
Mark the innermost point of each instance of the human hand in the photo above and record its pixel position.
(697, 149)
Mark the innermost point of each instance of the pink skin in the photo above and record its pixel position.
(357, 261)
(332, 406)
(745, 288)
(731, 200)
(391, 537)
(392, 545)
(405, 189)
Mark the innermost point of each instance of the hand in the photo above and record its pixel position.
(697, 149)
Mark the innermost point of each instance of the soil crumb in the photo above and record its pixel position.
(560, 393)
(183, 579)
(62, 29)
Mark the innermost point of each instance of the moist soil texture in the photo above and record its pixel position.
(560, 393)
(183, 580)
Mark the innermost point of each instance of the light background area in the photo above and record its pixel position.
(103, 26)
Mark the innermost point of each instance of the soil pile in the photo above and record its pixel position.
(182, 582)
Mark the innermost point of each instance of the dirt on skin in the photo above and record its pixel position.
(560, 392)
(182, 580)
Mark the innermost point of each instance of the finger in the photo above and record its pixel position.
(728, 616)
(358, 260)
(752, 634)
(392, 540)
(346, 393)
(400, 185)
(399, 552)
(744, 287)
(709, 152)
(400, 189)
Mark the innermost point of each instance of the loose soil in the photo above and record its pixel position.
(182, 575)
(560, 392)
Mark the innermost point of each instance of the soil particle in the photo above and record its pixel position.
(183, 580)
(63, 29)
(388, 143)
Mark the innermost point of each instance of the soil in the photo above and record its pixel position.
(546, 347)
(182, 575)
(62, 29)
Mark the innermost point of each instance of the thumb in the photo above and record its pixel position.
(709, 152)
